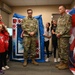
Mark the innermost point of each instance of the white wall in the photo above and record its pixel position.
(45, 11)
(73, 3)
(5, 18)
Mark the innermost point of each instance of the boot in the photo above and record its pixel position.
(34, 62)
(60, 64)
(63, 67)
(25, 63)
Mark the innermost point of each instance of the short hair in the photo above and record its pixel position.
(29, 10)
(63, 6)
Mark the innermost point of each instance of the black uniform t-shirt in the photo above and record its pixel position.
(54, 37)
(54, 29)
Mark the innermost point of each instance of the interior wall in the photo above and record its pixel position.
(73, 3)
(5, 18)
(45, 11)
(0, 11)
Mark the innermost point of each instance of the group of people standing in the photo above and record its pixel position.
(60, 39)
(60, 33)
(4, 43)
(48, 33)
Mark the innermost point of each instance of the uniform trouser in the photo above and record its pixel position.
(54, 43)
(29, 47)
(3, 61)
(47, 47)
(64, 49)
(59, 48)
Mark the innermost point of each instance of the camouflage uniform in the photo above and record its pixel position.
(29, 42)
(63, 28)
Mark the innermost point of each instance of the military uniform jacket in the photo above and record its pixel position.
(29, 25)
(64, 25)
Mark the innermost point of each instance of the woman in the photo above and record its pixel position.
(47, 35)
(54, 39)
(4, 38)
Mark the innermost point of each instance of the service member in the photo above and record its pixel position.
(63, 34)
(30, 28)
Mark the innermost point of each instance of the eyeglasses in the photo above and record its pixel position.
(30, 13)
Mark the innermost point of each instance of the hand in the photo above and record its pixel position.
(47, 36)
(58, 35)
(44, 35)
(53, 32)
(31, 33)
(21, 36)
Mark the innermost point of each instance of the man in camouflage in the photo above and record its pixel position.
(30, 28)
(63, 34)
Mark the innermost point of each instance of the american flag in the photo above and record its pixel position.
(72, 42)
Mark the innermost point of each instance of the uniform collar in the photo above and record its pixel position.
(30, 18)
(63, 15)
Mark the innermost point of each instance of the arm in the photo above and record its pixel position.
(66, 29)
(53, 32)
(49, 36)
(24, 27)
(67, 26)
(22, 34)
(36, 29)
